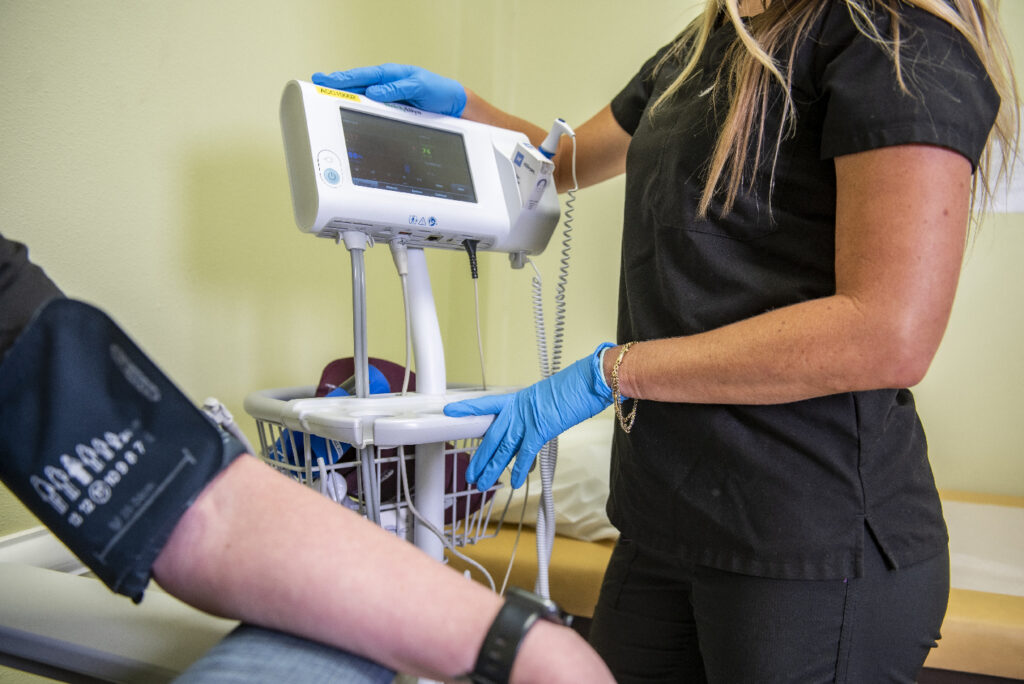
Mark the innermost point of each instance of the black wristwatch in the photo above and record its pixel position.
(521, 611)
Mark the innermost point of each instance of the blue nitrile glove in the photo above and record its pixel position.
(283, 450)
(400, 83)
(529, 418)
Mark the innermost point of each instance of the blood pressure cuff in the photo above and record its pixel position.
(99, 444)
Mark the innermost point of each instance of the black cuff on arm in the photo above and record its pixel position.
(99, 444)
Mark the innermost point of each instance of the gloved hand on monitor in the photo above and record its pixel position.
(528, 419)
(400, 83)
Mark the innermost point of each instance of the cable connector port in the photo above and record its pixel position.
(470, 247)
(400, 255)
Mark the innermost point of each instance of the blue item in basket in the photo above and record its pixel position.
(289, 448)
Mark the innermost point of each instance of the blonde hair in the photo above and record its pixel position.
(749, 70)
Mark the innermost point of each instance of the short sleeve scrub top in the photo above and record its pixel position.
(787, 491)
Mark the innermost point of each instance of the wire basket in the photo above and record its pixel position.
(327, 444)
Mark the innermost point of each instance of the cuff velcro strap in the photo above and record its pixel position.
(99, 444)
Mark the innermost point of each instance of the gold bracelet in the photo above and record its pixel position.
(626, 422)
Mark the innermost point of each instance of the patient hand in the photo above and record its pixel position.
(557, 655)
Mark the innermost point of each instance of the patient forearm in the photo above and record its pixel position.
(261, 548)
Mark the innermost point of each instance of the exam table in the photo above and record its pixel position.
(57, 621)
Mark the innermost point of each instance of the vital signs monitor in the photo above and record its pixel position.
(396, 172)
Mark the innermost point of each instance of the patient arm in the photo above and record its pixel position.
(261, 548)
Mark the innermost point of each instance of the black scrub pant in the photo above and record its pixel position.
(656, 621)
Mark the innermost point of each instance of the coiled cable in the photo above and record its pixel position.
(548, 457)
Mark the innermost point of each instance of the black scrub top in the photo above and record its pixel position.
(785, 491)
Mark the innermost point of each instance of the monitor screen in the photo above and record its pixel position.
(403, 157)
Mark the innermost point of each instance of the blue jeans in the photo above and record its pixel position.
(250, 655)
(658, 621)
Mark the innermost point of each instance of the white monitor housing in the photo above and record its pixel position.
(396, 172)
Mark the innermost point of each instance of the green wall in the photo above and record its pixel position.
(142, 163)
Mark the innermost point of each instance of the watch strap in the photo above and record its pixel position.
(518, 614)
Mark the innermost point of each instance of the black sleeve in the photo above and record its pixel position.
(950, 100)
(629, 105)
(24, 288)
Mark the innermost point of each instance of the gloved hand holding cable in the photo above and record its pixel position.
(526, 420)
(400, 83)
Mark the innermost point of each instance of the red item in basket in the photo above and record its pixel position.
(338, 371)
(467, 500)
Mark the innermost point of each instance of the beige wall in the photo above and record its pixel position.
(142, 163)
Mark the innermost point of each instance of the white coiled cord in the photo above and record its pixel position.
(548, 456)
